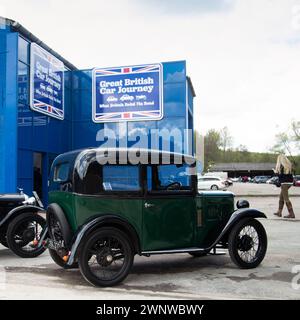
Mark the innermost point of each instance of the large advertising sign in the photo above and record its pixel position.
(46, 83)
(133, 93)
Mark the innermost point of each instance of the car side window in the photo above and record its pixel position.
(99, 179)
(61, 172)
(121, 178)
(168, 178)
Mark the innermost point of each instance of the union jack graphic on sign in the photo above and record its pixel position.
(131, 93)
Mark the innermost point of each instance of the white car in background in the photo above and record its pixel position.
(211, 183)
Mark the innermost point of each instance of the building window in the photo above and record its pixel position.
(23, 50)
(23, 83)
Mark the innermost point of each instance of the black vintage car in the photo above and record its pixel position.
(21, 224)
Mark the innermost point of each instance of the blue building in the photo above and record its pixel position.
(31, 138)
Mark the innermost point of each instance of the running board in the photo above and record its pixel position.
(172, 251)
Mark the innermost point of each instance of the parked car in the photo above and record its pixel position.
(261, 179)
(222, 175)
(211, 183)
(245, 179)
(273, 180)
(21, 224)
(297, 181)
(228, 182)
(101, 215)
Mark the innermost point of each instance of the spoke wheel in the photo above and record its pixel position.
(59, 228)
(55, 228)
(247, 243)
(106, 257)
(56, 235)
(23, 234)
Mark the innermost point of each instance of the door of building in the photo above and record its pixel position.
(38, 173)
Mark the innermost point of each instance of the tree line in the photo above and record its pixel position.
(218, 147)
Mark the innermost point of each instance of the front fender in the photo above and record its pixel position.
(106, 220)
(237, 216)
(19, 210)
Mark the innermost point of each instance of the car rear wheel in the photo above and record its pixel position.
(247, 243)
(23, 235)
(106, 257)
(214, 187)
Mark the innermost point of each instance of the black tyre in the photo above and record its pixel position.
(23, 234)
(247, 243)
(214, 187)
(199, 254)
(59, 260)
(106, 257)
(3, 240)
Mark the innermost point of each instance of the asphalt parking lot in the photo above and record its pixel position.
(263, 189)
(177, 276)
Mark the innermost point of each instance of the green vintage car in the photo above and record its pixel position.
(106, 206)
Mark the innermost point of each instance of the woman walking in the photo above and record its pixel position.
(284, 172)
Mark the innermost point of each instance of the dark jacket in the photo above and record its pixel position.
(285, 178)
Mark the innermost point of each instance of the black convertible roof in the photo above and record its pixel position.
(123, 156)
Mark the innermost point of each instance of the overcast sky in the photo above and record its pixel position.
(243, 55)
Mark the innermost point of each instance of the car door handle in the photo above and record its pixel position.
(149, 205)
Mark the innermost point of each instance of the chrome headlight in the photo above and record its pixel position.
(242, 204)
